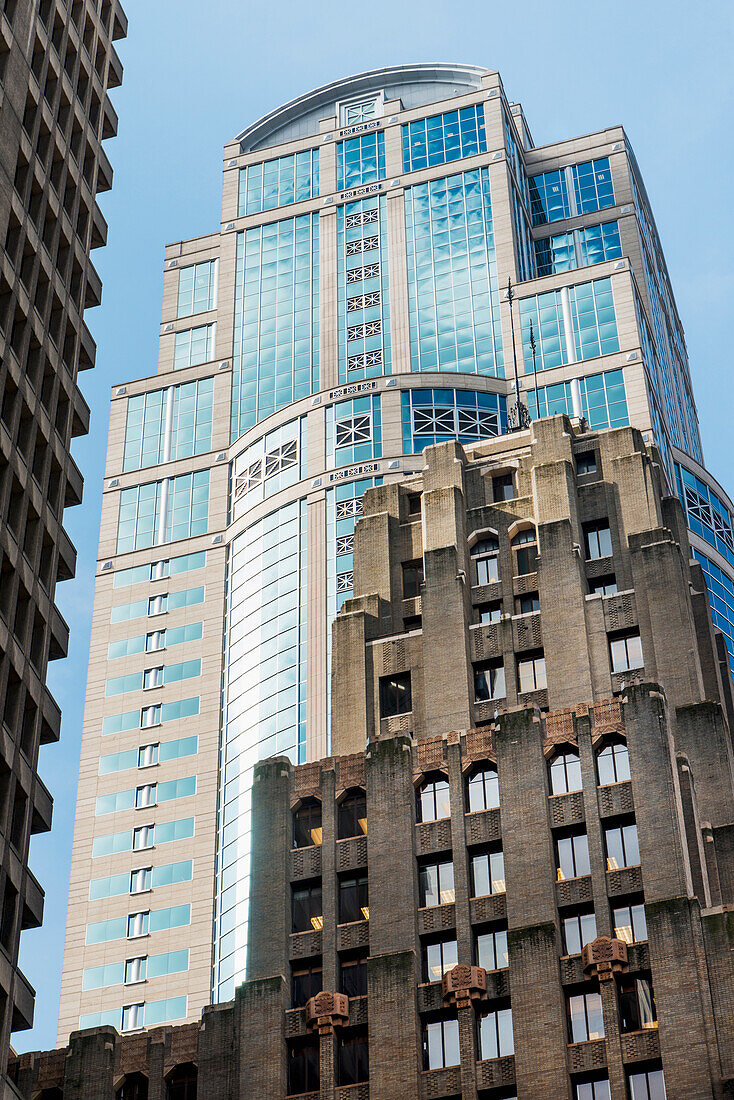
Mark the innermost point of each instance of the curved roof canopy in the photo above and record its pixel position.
(415, 85)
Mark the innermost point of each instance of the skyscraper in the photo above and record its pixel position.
(352, 309)
(57, 63)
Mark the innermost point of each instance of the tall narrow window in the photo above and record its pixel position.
(353, 1064)
(597, 540)
(436, 884)
(495, 1034)
(622, 846)
(637, 1011)
(489, 681)
(439, 958)
(353, 976)
(412, 579)
(572, 854)
(531, 673)
(565, 773)
(491, 949)
(485, 554)
(307, 824)
(483, 790)
(626, 652)
(433, 800)
(306, 908)
(578, 930)
(487, 874)
(629, 922)
(352, 814)
(525, 547)
(598, 1089)
(441, 1044)
(303, 1066)
(353, 899)
(502, 488)
(585, 1020)
(647, 1085)
(395, 695)
(306, 982)
(613, 764)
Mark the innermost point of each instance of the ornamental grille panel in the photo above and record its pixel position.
(567, 809)
(628, 880)
(620, 611)
(295, 1023)
(483, 827)
(430, 997)
(367, 359)
(353, 1092)
(358, 429)
(345, 581)
(344, 544)
(252, 477)
(438, 919)
(572, 970)
(527, 631)
(433, 836)
(643, 1046)
(359, 274)
(522, 585)
(282, 458)
(616, 800)
(495, 1071)
(306, 862)
(438, 1083)
(362, 332)
(491, 908)
(587, 1056)
(304, 944)
(574, 891)
(362, 218)
(435, 420)
(352, 853)
(485, 641)
(354, 935)
(364, 301)
(347, 508)
(364, 244)
(394, 657)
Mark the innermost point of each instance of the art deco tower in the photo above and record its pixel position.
(57, 63)
(350, 310)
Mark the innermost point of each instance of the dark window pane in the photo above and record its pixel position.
(395, 695)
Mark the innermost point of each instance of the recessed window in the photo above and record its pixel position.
(495, 1034)
(525, 548)
(353, 976)
(629, 922)
(153, 677)
(597, 540)
(158, 605)
(441, 1044)
(353, 1064)
(486, 563)
(483, 790)
(136, 970)
(502, 488)
(625, 653)
(531, 674)
(414, 504)
(487, 874)
(586, 462)
(647, 1085)
(585, 1019)
(489, 681)
(133, 1016)
(613, 764)
(603, 586)
(489, 612)
(307, 824)
(436, 884)
(578, 930)
(148, 755)
(352, 814)
(137, 925)
(306, 982)
(637, 1011)
(155, 640)
(150, 716)
(143, 837)
(622, 847)
(412, 622)
(306, 908)
(146, 795)
(353, 899)
(572, 856)
(490, 949)
(303, 1066)
(433, 800)
(395, 695)
(565, 773)
(439, 958)
(361, 111)
(140, 880)
(525, 605)
(412, 579)
(598, 1089)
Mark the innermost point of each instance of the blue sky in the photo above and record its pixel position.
(198, 73)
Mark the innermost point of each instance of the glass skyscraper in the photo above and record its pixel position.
(351, 310)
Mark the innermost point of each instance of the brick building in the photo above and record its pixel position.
(514, 876)
(57, 64)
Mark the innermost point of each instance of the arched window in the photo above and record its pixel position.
(181, 1082)
(565, 772)
(483, 789)
(525, 548)
(433, 798)
(486, 562)
(307, 824)
(613, 763)
(352, 817)
(134, 1087)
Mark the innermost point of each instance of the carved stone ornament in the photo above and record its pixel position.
(464, 984)
(327, 1011)
(604, 958)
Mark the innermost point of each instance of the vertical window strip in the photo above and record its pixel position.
(197, 288)
(364, 304)
(187, 511)
(360, 160)
(593, 320)
(146, 443)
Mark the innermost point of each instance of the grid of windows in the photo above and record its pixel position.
(157, 570)
(194, 346)
(133, 840)
(276, 325)
(360, 160)
(593, 324)
(603, 400)
(442, 138)
(576, 189)
(188, 409)
(163, 511)
(155, 640)
(363, 291)
(452, 277)
(279, 182)
(264, 704)
(721, 598)
(138, 924)
(354, 431)
(145, 1014)
(591, 244)
(437, 416)
(271, 463)
(149, 966)
(132, 758)
(197, 288)
(149, 716)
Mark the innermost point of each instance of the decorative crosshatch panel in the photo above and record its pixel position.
(271, 463)
(363, 297)
(353, 431)
(436, 416)
(707, 516)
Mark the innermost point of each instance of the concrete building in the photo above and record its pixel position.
(57, 64)
(350, 310)
(513, 878)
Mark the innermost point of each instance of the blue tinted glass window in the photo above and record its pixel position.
(437, 416)
(442, 138)
(721, 598)
(187, 511)
(603, 400)
(354, 431)
(566, 192)
(279, 182)
(593, 321)
(360, 160)
(197, 288)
